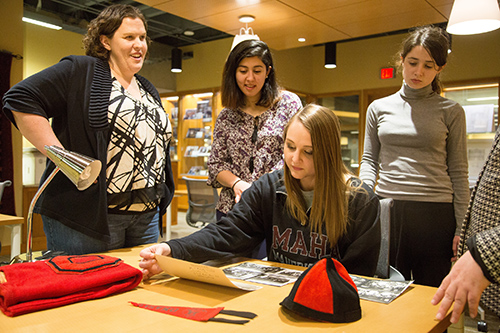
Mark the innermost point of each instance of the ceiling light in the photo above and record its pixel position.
(246, 18)
(176, 61)
(302, 39)
(470, 17)
(188, 33)
(245, 33)
(330, 55)
(42, 24)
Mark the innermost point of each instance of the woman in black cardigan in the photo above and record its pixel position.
(101, 108)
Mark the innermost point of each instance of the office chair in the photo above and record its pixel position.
(3, 185)
(384, 269)
(202, 200)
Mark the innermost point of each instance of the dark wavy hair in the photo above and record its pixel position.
(435, 40)
(106, 23)
(231, 95)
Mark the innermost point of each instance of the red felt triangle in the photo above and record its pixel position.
(198, 314)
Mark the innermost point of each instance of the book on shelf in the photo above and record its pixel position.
(192, 114)
(174, 111)
(195, 151)
(204, 108)
(190, 151)
(195, 133)
(198, 171)
(204, 150)
(173, 152)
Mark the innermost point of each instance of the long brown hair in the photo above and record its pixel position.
(331, 187)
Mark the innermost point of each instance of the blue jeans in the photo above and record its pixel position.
(125, 231)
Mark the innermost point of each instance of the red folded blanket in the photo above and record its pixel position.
(62, 280)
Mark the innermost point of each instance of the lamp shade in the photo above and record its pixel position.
(80, 169)
(470, 17)
(245, 34)
(330, 55)
(176, 61)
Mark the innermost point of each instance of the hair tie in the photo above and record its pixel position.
(236, 182)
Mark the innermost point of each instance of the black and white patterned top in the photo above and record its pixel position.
(481, 227)
(138, 147)
(234, 150)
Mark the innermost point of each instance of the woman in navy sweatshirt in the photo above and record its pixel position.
(311, 208)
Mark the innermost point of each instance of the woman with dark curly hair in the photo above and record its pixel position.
(101, 108)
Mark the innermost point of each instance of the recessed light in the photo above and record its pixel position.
(302, 39)
(188, 33)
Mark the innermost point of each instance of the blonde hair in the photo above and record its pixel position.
(331, 187)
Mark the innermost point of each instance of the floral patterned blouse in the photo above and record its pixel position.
(235, 150)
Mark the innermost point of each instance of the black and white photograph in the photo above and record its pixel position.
(381, 291)
(195, 170)
(174, 112)
(205, 110)
(264, 274)
(204, 151)
(195, 133)
(192, 114)
(191, 151)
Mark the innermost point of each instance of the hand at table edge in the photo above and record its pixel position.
(463, 285)
(148, 264)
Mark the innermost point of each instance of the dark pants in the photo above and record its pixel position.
(259, 252)
(421, 240)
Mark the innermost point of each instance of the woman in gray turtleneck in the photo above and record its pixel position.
(415, 147)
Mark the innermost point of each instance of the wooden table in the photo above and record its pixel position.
(14, 223)
(410, 312)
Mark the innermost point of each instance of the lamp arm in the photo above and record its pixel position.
(30, 214)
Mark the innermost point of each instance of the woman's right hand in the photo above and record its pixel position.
(239, 188)
(148, 264)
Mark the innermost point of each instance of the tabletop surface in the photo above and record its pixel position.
(9, 219)
(411, 311)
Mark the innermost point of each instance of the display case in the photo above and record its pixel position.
(347, 109)
(197, 114)
(480, 102)
(193, 116)
(171, 106)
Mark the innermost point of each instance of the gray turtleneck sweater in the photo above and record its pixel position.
(415, 142)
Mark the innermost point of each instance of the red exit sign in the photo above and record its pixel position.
(387, 73)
